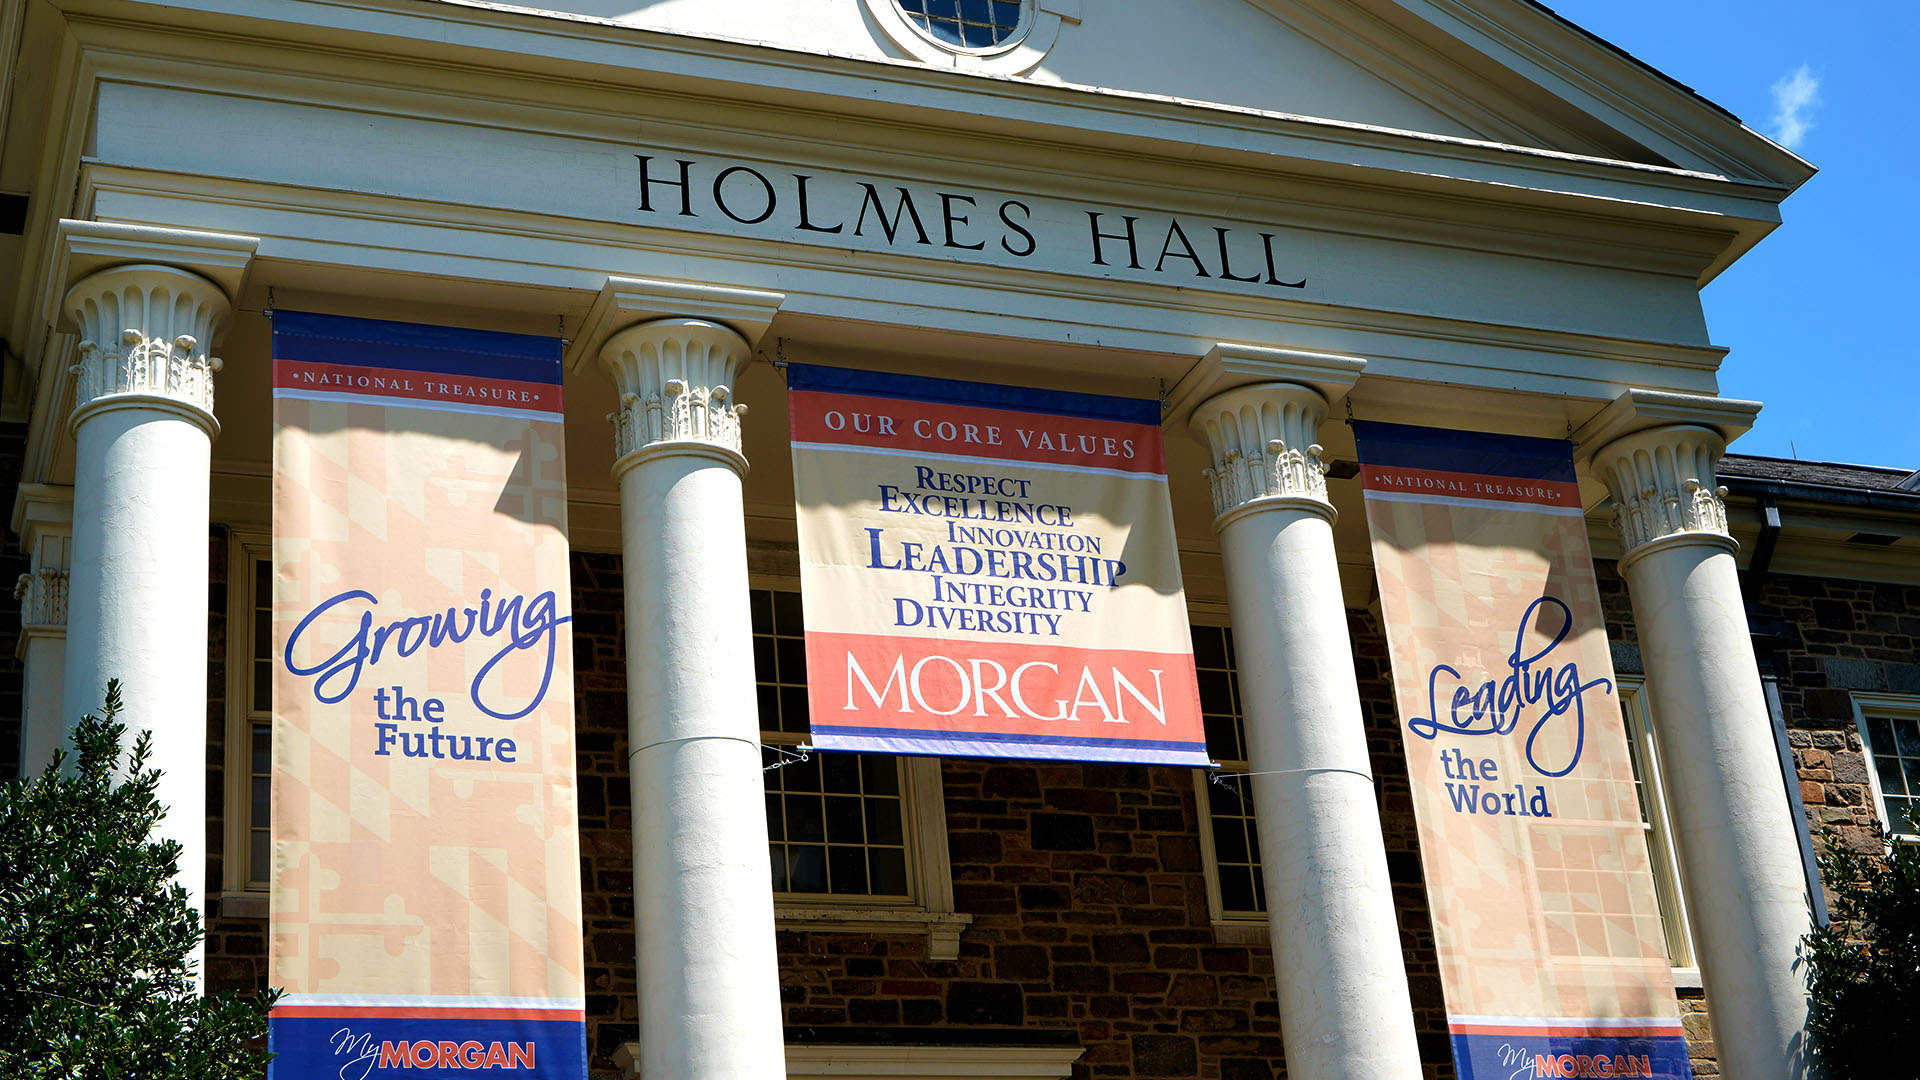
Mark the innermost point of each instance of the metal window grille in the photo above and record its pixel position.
(965, 24)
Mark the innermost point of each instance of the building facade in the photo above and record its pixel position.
(1467, 215)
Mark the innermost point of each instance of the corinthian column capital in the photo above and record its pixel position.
(1663, 486)
(1657, 453)
(145, 332)
(676, 378)
(43, 598)
(1259, 409)
(43, 517)
(1263, 441)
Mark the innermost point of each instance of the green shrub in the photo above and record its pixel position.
(95, 936)
(1864, 965)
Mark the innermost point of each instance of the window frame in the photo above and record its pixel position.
(1889, 706)
(1230, 926)
(241, 895)
(1637, 708)
(929, 906)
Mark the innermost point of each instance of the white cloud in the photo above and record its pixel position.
(1794, 98)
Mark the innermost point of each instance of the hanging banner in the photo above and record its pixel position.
(1546, 921)
(989, 571)
(426, 882)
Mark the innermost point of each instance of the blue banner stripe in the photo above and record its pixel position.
(1473, 452)
(1503, 1057)
(441, 350)
(329, 1048)
(835, 380)
(1004, 737)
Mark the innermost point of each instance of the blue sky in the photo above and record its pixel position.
(1821, 316)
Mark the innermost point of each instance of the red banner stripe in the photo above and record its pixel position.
(394, 383)
(1001, 687)
(1478, 486)
(925, 427)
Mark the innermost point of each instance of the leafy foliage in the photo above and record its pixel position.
(1864, 966)
(96, 938)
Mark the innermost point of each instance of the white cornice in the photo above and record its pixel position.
(566, 263)
(628, 301)
(1608, 85)
(1637, 410)
(452, 35)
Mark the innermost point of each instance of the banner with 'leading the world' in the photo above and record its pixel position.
(425, 909)
(1552, 954)
(989, 571)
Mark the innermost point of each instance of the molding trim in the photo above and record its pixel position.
(626, 301)
(1636, 410)
(1229, 365)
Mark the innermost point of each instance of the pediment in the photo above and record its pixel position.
(1506, 72)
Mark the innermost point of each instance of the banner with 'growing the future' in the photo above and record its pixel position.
(1552, 954)
(425, 909)
(989, 571)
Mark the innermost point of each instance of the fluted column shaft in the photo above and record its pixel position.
(1344, 1007)
(137, 593)
(1740, 861)
(44, 521)
(703, 900)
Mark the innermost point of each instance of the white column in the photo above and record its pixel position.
(137, 595)
(43, 516)
(703, 897)
(1344, 1007)
(1739, 854)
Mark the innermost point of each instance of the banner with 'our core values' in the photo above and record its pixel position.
(1552, 954)
(425, 909)
(989, 571)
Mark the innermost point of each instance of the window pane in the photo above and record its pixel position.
(1880, 733)
(1906, 733)
(760, 603)
(1229, 842)
(889, 871)
(262, 749)
(1236, 889)
(1900, 815)
(806, 818)
(259, 855)
(841, 773)
(777, 855)
(793, 710)
(791, 654)
(786, 614)
(806, 869)
(883, 822)
(846, 822)
(1890, 781)
(263, 686)
(847, 869)
(880, 773)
